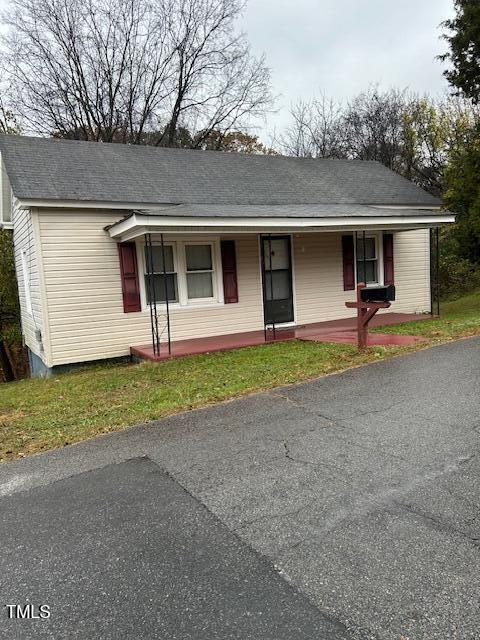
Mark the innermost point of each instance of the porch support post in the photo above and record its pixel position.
(435, 270)
(152, 295)
(271, 283)
(364, 259)
(355, 256)
(437, 267)
(167, 305)
(264, 284)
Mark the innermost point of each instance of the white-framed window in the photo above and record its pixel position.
(26, 281)
(193, 272)
(199, 270)
(368, 261)
(162, 284)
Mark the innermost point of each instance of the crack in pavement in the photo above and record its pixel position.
(372, 411)
(314, 465)
(440, 524)
(296, 434)
(463, 461)
(382, 500)
(305, 407)
(275, 516)
(335, 421)
(471, 503)
(353, 445)
(370, 449)
(338, 422)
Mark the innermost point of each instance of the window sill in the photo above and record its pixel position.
(370, 284)
(175, 306)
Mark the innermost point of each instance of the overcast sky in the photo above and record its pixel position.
(339, 47)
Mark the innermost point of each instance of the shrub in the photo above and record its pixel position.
(13, 358)
(457, 276)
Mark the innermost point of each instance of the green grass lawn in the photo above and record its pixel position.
(458, 318)
(43, 414)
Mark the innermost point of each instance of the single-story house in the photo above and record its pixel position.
(119, 246)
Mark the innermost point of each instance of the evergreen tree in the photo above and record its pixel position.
(463, 38)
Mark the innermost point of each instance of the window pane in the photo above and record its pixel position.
(159, 284)
(369, 248)
(371, 271)
(199, 256)
(280, 283)
(158, 260)
(280, 257)
(199, 285)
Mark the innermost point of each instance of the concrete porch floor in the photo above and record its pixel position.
(341, 331)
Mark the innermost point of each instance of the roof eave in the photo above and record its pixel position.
(44, 203)
(136, 225)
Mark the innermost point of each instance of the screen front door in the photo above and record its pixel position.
(277, 279)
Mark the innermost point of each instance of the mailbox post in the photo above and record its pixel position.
(367, 308)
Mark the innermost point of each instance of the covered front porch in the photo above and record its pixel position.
(340, 331)
(219, 278)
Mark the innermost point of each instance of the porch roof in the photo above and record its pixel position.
(202, 218)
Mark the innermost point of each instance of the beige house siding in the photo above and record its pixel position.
(26, 245)
(319, 275)
(412, 271)
(82, 280)
(83, 287)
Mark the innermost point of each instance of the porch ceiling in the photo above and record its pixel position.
(273, 218)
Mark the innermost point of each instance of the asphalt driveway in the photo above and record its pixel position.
(351, 504)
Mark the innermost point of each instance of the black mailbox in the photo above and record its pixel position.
(378, 293)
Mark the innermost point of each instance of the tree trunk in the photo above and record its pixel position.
(17, 355)
(5, 364)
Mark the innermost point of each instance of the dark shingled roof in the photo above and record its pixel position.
(49, 169)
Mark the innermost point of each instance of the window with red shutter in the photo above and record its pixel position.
(127, 253)
(388, 266)
(229, 268)
(348, 254)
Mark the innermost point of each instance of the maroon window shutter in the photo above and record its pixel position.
(128, 268)
(229, 267)
(348, 252)
(388, 271)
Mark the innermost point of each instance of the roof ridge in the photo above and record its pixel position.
(122, 145)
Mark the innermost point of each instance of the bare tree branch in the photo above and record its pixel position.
(131, 70)
(316, 130)
(410, 134)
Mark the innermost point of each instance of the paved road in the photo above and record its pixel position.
(362, 491)
(125, 552)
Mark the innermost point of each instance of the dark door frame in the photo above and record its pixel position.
(281, 236)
